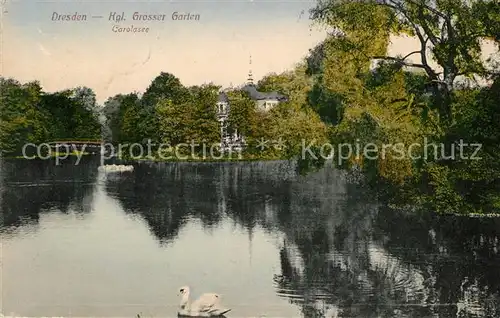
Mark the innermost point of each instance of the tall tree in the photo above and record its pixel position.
(294, 83)
(113, 112)
(450, 33)
(176, 121)
(21, 121)
(243, 114)
(205, 125)
(131, 129)
(164, 86)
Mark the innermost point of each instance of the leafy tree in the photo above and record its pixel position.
(86, 97)
(293, 128)
(473, 175)
(294, 84)
(450, 33)
(73, 114)
(113, 111)
(243, 114)
(131, 129)
(165, 86)
(191, 121)
(274, 82)
(21, 121)
(326, 103)
(175, 121)
(205, 127)
(27, 114)
(314, 60)
(86, 115)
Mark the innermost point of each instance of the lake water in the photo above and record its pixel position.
(78, 242)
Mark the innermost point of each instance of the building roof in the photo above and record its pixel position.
(256, 95)
(222, 98)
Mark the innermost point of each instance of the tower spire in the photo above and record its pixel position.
(250, 76)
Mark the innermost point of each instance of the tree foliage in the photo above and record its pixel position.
(450, 33)
(28, 114)
(348, 90)
(243, 115)
(372, 97)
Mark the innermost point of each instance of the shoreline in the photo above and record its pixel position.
(201, 160)
(153, 160)
(51, 156)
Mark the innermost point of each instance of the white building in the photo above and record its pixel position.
(264, 101)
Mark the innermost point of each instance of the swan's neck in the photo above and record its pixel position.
(185, 301)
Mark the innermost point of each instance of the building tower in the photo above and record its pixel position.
(250, 75)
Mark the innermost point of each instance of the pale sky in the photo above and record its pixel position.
(214, 49)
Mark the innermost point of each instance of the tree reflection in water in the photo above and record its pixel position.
(365, 260)
(29, 187)
(342, 252)
(169, 195)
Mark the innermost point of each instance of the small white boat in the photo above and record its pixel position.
(116, 168)
(207, 305)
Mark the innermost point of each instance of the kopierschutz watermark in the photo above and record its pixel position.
(459, 150)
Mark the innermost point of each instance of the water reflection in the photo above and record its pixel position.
(28, 187)
(342, 254)
(385, 264)
(339, 252)
(169, 195)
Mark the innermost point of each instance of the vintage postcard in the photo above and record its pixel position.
(250, 158)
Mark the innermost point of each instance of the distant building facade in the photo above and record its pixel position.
(264, 101)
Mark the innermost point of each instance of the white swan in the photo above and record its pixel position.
(208, 305)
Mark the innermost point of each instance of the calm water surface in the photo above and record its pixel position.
(77, 242)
